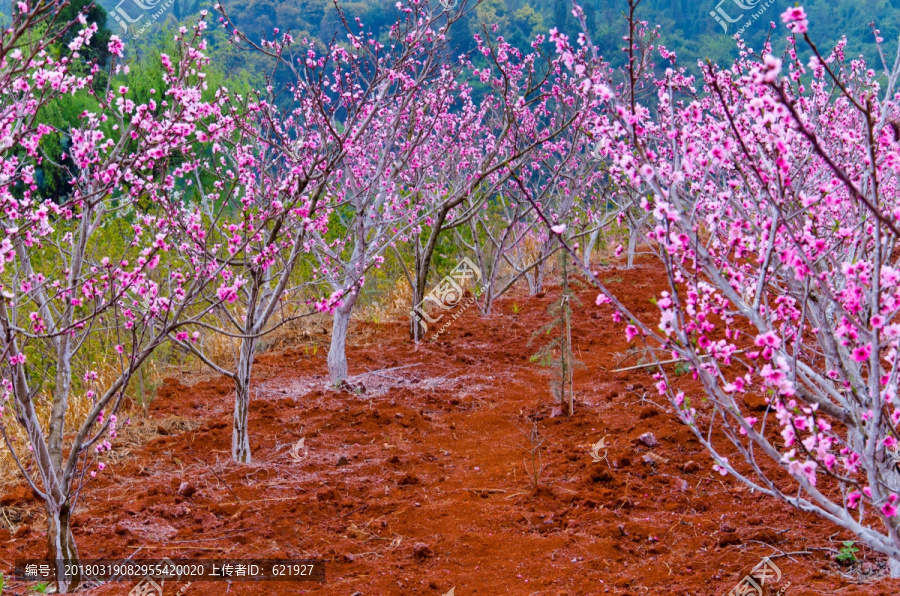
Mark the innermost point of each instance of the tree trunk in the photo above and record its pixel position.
(488, 298)
(538, 280)
(418, 326)
(529, 277)
(589, 248)
(62, 547)
(423, 265)
(337, 355)
(60, 400)
(240, 437)
(632, 244)
(893, 484)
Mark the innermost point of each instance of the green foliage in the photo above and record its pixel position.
(685, 25)
(98, 50)
(847, 553)
(682, 368)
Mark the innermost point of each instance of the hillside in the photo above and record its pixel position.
(687, 27)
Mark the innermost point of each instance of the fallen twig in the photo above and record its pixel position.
(219, 479)
(661, 362)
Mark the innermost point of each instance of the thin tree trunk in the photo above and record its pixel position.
(419, 281)
(337, 354)
(143, 393)
(589, 247)
(423, 266)
(632, 244)
(893, 484)
(415, 330)
(62, 547)
(60, 400)
(488, 299)
(240, 438)
(538, 280)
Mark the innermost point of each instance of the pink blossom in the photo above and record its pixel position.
(889, 509)
(116, 47)
(630, 332)
(861, 353)
(795, 19)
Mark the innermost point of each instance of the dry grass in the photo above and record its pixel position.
(11, 517)
(79, 407)
(140, 392)
(391, 304)
(143, 430)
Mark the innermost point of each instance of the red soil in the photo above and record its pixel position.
(406, 512)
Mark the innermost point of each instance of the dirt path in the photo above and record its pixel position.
(422, 484)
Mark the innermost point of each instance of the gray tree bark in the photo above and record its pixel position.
(337, 354)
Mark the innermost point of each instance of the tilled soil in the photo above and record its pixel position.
(430, 479)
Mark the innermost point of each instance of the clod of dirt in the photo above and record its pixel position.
(327, 495)
(342, 461)
(409, 480)
(543, 491)
(421, 551)
(624, 503)
(651, 459)
(601, 475)
(691, 467)
(681, 484)
(186, 490)
(756, 403)
(729, 539)
(393, 460)
(648, 439)
(17, 496)
(868, 568)
(648, 412)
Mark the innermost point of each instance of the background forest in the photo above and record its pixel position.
(686, 26)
